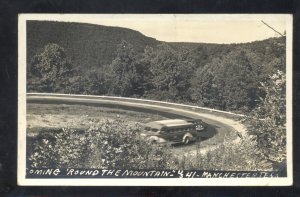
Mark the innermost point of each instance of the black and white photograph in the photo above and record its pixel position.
(155, 99)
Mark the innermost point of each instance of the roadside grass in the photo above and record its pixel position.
(228, 156)
(41, 117)
(92, 111)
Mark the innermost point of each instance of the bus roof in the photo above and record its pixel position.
(168, 123)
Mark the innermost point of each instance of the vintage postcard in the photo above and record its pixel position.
(155, 99)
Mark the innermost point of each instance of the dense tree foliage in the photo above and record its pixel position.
(267, 122)
(49, 70)
(227, 78)
(124, 72)
(228, 83)
(169, 73)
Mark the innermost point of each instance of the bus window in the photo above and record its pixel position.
(147, 128)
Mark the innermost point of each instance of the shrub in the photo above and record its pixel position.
(109, 144)
(41, 154)
(267, 123)
(230, 155)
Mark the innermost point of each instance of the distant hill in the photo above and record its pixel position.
(89, 45)
(86, 45)
(203, 53)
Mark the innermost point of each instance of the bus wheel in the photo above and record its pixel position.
(187, 140)
(153, 142)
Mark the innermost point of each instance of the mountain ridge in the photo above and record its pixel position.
(91, 45)
(98, 42)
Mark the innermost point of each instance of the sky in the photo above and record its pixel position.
(213, 28)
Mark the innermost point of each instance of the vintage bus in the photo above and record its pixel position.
(174, 130)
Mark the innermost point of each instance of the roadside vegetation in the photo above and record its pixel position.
(112, 144)
(79, 116)
(229, 155)
(117, 145)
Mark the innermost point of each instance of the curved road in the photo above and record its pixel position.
(218, 124)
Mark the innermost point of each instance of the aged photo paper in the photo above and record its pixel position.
(155, 99)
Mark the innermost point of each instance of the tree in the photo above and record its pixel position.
(204, 90)
(237, 82)
(227, 83)
(169, 73)
(50, 69)
(123, 74)
(268, 121)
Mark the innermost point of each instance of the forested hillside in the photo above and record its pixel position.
(86, 45)
(92, 59)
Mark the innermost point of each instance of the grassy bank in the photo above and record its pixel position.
(41, 117)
